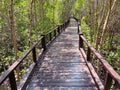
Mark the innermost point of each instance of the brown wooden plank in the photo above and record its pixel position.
(68, 84)
(61, 88)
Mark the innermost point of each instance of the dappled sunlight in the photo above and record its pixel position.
(63, 66)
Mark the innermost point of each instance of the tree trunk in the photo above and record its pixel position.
(53, 12)
(35, 19)
(42, 14)
(106, 23)
(91, 20)
(31, 20)
(100, 24)
(14, 36)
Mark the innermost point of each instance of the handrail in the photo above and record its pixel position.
(107, 66)
(111, 74)
(16, 63)
(10, 72)
(51, 30)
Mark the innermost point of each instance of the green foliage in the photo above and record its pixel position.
(79, 4)
(55, 13)
(89, 13)
(26, 22)
(85, 28)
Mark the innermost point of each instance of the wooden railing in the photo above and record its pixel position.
(44, 41)
(108, 76)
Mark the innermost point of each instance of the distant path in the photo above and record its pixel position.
(63, 67)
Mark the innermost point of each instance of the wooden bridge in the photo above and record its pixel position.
(66, 61)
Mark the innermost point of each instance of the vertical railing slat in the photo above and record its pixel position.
(44, 42)
(34, 55)
(12, 81)
(80, 41)
(108, 81)
(88, 54)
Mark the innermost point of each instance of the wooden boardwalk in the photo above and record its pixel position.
(63, 67)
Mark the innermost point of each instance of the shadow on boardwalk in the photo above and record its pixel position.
(63, 67)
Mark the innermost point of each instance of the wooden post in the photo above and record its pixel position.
(88, 54)
(108, 81)
(44, 42)
(12, 81)
(55, 33)
(116, 86)
(34, 55)
(64, 25)
(78, 27)
(50, 36)
(80, 41)
(58, 29)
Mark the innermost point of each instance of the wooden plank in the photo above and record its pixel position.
(68, 84)
(86, 80)
(68, 65)
(62, 75)
(62, 88)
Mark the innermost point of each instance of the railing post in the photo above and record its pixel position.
(55, 33)
(68, 21)
(116, 86)
(44, 42)
(58, 29)
(78, 26)
(108, 82)
(63, 26)
(34, 55)
(50, 36)
(88, 54)
(12, 80)
(80, 41)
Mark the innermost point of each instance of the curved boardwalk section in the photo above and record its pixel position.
(63, 67)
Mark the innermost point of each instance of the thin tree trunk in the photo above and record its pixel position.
(42, 14)
(30, 25)
(91, 19)
(100, 24)
(96, 19)
(35, 18)
(106, 23)
(14, 36)
(53, 12)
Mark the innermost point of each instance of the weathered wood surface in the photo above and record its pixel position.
(63, 67)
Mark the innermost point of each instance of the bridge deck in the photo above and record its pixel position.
(63, 67)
